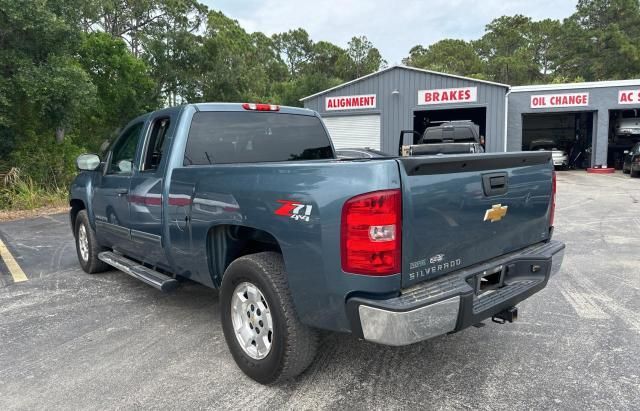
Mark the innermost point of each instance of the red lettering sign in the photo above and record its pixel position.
(359, 102)
(448, 96)
(629, 96)
(560, 100)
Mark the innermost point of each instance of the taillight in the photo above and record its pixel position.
(371, 233)
(553, 199)
(260, 107)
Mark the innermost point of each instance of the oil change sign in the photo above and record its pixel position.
(448, 96)
(350, 102)
(629, 97)
(560, 100)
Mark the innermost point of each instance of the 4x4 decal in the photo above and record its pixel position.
(294, 209)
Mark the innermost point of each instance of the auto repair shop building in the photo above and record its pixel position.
(372, 110)
(579, 118)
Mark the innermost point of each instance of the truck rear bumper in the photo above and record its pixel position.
(457, 300)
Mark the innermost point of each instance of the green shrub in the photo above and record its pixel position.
(40, 171)
(47, 164)
(22, 193)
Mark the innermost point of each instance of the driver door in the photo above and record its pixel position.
(111, 191)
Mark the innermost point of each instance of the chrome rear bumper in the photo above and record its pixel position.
(450, 303)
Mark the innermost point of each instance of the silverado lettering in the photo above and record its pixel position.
(434, 269)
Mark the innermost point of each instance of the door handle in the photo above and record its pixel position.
(495, 184)
(122, 191)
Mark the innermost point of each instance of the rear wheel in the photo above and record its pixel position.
(634, 173)
(261, 327)
(87, 246)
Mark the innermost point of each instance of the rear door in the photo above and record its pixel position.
(460, 210)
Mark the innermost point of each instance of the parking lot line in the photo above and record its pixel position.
(11, 263)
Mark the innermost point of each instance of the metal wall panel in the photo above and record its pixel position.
(397, 98)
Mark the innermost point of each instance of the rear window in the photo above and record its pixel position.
(433, 134)
(464, 133)
(253, 137)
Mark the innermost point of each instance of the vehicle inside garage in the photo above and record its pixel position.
(427, 118)
(624, 132)
(568, 132)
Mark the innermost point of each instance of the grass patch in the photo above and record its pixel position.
(22, 193)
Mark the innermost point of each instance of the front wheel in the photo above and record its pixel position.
(87, 246)
(261, 327)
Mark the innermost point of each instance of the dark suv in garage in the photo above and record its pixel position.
(632, 161)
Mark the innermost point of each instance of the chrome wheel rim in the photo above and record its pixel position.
(252, 322)
(83, 243)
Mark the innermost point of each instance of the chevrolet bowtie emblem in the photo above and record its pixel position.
(495, 213)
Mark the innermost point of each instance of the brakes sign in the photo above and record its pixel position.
(448, 96)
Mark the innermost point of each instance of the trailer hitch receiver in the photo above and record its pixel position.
(508, 315)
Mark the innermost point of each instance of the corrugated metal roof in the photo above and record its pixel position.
(573, 86)
(400, 66)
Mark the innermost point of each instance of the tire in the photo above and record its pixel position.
(625, 171)
(292, 344)
(88, 258)
(634, 173)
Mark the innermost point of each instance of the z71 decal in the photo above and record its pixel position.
(295, 210)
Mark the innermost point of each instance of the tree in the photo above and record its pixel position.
(601, 41)
(447, 56)
(506, 50)
(544, 37)
(361, 58)
(61, 91)
(47, 90)
(172, 48)
(295, 48)
(326, 58)
(123, 83)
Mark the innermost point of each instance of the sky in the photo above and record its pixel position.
(394, 27)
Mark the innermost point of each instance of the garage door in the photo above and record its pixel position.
(354, 131)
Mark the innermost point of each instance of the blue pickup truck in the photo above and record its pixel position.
(252, 200)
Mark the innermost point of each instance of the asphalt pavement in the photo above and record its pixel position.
(69, 340)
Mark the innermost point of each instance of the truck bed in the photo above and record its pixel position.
(443, 226)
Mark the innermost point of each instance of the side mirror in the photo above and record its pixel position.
(87, 162)
(125, 166)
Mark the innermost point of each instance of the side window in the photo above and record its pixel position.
(157, 143)
(124, 150)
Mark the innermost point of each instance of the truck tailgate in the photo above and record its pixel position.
(460, 210)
